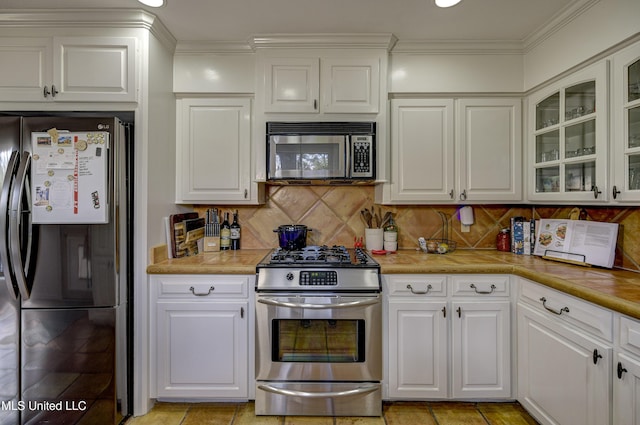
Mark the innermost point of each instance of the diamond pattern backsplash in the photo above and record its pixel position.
(333, 215)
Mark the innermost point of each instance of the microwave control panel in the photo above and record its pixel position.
(362, 156)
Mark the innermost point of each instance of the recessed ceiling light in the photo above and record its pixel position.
(446, 3)
(152, 3)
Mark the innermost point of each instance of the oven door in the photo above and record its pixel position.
(307, 157)
(319, 338)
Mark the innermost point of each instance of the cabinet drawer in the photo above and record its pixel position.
(630, 335)
(481, 286)
(587, 316)
(202, 287)
(416, 285)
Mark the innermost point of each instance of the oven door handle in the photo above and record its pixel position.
(330, 394)
(358, 303)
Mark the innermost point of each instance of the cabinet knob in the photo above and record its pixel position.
(621, 370)
(54, 91)
(596, 356)
(46, 91)
(596, 192)
(246, 194)
(463, 195)
(615, 192)
(451, 194)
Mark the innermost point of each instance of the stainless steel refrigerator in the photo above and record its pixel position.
(65, 340)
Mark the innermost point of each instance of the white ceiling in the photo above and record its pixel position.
(237, 20)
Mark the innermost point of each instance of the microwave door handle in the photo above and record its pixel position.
(15, 211)
(347, 148)
(4, 223)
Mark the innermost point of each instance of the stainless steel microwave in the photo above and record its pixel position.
(321, 150)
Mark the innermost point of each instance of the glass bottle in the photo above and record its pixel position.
(390, 236)
(235, 232)
(225, 233)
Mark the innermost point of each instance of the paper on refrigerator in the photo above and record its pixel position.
(69, 177)
(591, 242)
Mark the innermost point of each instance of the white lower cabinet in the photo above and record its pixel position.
(201, 337)
(626, 369)
(564, 372)
(445, 343)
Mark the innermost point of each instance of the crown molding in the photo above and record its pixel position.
(338, 40)
(213, 47)
(468, 47)
(88, 18)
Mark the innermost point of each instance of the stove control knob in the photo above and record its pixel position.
(289, 276)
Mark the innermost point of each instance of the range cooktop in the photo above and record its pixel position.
(334, 256)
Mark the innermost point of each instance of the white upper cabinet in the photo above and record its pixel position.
(322, 84)
(213, 149)
(567, 148)
(626, 128)
(472, 154)
(68, 69)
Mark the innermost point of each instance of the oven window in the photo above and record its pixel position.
(318, 340)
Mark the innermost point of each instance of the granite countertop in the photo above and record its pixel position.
(617, 290)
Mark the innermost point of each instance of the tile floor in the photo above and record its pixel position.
(394, 413)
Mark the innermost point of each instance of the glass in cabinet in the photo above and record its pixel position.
(570, 138)
(626, 101)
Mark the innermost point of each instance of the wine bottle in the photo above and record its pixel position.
(235, 232)
(225, 233)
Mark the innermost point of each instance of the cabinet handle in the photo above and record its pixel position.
(242, 312)
(615, 192)
(463, 195)
(246, 193)
(315, 103)
(444, 311)
(493, 288)
(596, 192)
(201, 294)
(451, 194)
(54, 92)
(46, 92)
(621, 370)
(409, 287)
(558, 312)
(459, 310)
(596, 356)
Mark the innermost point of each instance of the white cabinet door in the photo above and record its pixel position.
(489, 149)
(213, 151)
(481, 346)
(94, 69)
(291, 84)
(418, 365)
(568, 139)
(68, 69)
(564, 377)
(626, 390)
(626, 128)
(350, 85)
(422, 148)
(25, 68)
(202, 349)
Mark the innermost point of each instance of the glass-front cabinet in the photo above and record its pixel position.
(568, 145)
(626, 129)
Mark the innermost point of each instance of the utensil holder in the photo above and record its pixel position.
(373, 239)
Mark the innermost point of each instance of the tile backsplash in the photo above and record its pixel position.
(333, 215)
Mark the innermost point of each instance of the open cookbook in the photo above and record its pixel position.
(579, 241)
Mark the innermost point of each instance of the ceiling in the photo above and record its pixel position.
(238, 20)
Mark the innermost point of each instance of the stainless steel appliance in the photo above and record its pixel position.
(64, 344)
(339, 151)
(318, 333)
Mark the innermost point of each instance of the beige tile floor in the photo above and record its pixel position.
(394, 413)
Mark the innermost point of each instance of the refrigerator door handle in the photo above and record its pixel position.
(15, 213)
(5, 195)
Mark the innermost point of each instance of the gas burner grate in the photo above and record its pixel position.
(312, 255)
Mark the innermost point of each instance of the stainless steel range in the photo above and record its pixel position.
(318, 333)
